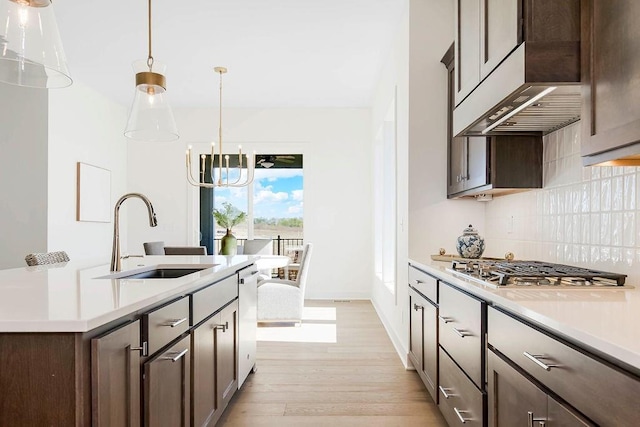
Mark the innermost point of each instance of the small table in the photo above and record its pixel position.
(267, 262)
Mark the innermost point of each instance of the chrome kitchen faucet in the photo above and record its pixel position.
(116, 264)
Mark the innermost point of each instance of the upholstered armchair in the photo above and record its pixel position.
(283, 300)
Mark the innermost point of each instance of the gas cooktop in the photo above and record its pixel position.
(533, 274)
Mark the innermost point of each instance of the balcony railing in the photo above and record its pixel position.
(281, 246)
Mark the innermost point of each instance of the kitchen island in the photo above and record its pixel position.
(523, 354)
(81, 346)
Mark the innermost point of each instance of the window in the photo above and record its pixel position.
(273, 203)
(385, 202)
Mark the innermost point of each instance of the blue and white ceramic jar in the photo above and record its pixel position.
(470, 244)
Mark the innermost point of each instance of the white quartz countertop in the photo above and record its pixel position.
(604, 321)
(73, 296)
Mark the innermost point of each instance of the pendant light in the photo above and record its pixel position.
(31, 53)
(150, 118)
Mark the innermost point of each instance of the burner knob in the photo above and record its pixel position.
(509, 256)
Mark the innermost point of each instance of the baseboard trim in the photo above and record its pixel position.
(403, 353)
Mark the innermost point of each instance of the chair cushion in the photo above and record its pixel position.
(278, 301)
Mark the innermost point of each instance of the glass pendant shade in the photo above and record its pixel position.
(31, 52)
(150, 118)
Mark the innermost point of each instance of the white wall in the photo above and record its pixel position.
(336, 144)
(587, 216)
(23, 173)
(84, 126)
(427, 220)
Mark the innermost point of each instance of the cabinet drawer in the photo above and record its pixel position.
(424, 283)
(460, 401)
(212, 298)
(164, 324)
(462, 330)
(604, 393)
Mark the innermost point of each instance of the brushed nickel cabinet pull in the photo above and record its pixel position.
(531, 420)
(417, 307)
(224, 326)
(459, 413)
(176, 355)
(535, 359)
(445, 319)
(461, 333)
(143, 350)
(175, 322)
(444, 392)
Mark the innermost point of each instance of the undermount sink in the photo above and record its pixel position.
(159, 272)
(163, 273)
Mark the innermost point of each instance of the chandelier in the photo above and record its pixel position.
(223, 176)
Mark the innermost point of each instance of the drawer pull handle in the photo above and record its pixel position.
(535, 359)
(531, 420)
(418, 281)
(175, 322)
(444, 392)
(143, 350)
(224, 326)
(445, 319)
(417, 307)
(459, 413)
(461, 333)
(177, 355)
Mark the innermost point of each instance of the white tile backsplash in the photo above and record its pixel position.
(584, 216)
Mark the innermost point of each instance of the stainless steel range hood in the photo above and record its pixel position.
(522, 97)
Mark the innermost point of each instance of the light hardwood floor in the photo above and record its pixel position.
(338, 369)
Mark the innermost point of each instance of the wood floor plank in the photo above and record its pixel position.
(339, 368)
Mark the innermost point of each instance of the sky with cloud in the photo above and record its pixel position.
(277, 194)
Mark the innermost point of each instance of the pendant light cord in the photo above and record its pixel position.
(150, 57)
(220, 132)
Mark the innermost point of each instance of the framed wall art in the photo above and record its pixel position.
(93, 193)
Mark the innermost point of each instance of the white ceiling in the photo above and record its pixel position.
(280, 53)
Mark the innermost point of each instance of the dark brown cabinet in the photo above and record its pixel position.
(115, 377)
(500, 32)
(467, 48)
(423, 345)
(214, 365)
(167, 388)
(486, 32)
(490, 165)
(610, 66)
(603, 393)
(461, 402)
(514, 400)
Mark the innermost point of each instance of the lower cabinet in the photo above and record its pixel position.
(514, 400)
(115, 377)
(460, 401)
(214, 365)
(423, 344)
(167, 388)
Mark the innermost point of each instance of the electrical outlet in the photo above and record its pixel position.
(510, 225)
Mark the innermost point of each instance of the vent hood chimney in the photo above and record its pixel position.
(536, 89)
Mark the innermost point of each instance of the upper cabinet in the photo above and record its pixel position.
(491, 165)
(467, 75)
(486, 32)
(518, 66)
(500, 32)
(610, 70)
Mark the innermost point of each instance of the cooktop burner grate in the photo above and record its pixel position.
(527, 273)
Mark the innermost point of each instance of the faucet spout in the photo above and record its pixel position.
(116, 264)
